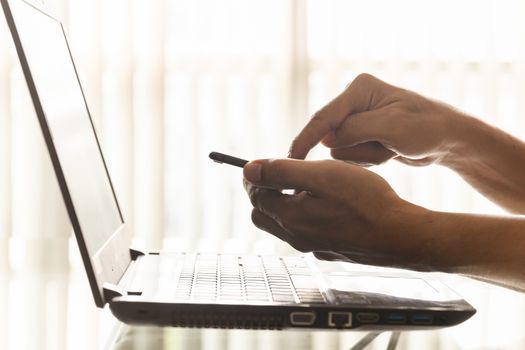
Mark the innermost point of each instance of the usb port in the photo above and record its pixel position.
(302, 318)
(367, 317)
(422, 319)
(396, 317)
(340, 319)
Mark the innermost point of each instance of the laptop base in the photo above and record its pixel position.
(234, 292)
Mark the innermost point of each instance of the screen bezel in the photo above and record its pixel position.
(110, 262)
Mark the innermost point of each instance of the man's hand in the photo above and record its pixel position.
(339, 210)
(344, 212)
(371, 122)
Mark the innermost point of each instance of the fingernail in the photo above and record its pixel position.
(252, 172)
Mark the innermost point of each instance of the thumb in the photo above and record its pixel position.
(287, 174)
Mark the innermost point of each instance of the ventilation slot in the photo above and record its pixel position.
(230, 320)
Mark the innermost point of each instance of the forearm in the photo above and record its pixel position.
(483, 247)
(489, 159)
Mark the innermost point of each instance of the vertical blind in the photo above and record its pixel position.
(168, 81)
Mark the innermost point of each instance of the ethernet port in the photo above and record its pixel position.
(340, 319)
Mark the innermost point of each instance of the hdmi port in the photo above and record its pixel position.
(367, 317)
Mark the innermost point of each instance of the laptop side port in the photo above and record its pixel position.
(302, 318)
(367, 317)
(422, 319)
(396, 317)
(340, 319)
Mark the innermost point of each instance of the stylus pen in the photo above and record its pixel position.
(224, 158)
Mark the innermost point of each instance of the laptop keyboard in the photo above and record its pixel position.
(231, 278)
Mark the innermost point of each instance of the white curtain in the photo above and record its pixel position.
(168, 81)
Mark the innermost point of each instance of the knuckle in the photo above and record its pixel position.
(363, 78)
(268, 204)
(257, 197)
(275, 169)
(257, 218)
(276, 164)
(252, 194)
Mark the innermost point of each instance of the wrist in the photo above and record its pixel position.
(463, 134)
(409, 223)
(439, 241)
(435, 241)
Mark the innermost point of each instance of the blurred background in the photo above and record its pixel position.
(168, 81)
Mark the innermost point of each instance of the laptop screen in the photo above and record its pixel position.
(69, 123)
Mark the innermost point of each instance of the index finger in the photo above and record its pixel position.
(355, 98)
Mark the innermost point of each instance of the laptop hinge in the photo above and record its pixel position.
(111, 291)
(134, 253)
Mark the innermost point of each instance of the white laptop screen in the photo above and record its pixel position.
(71, 128)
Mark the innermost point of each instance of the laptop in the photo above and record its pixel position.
(192, 289)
